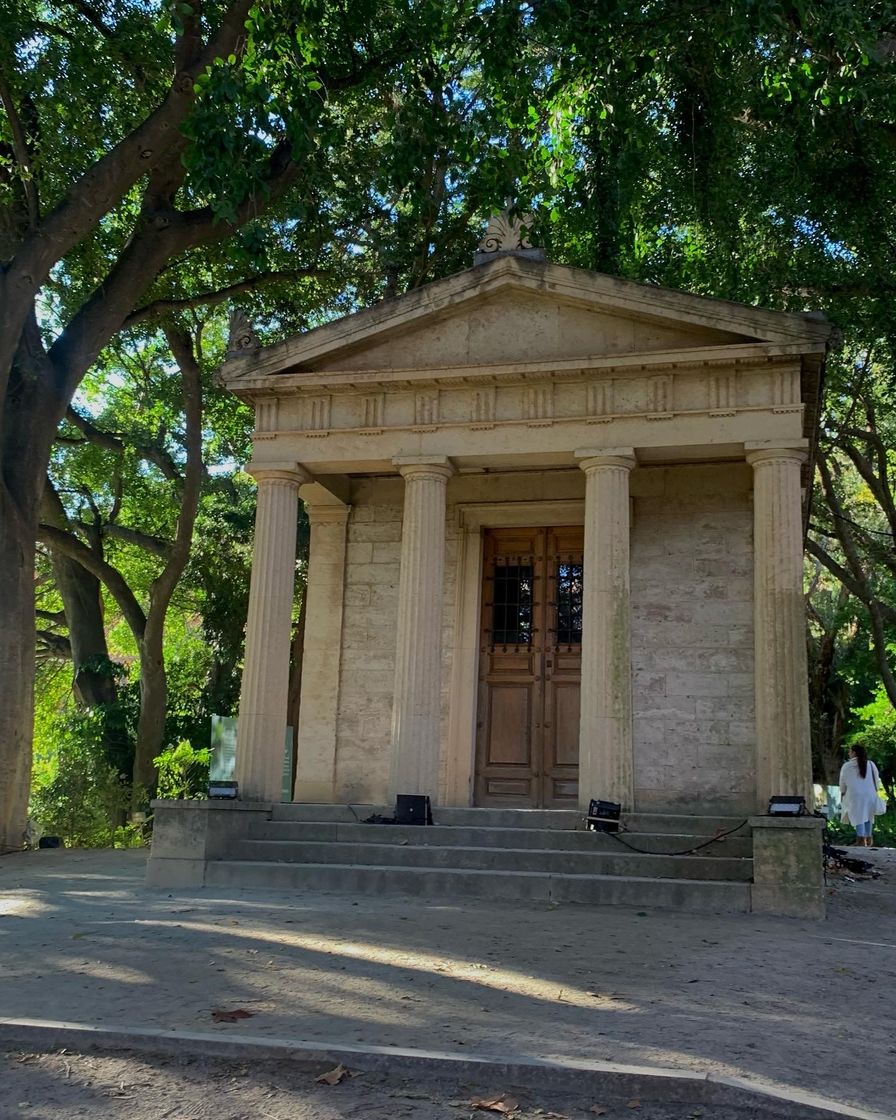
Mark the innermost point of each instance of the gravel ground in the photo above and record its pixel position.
(64, 1086)
(799, 1004)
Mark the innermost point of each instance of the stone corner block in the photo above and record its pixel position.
(186, 834)
(788, 874)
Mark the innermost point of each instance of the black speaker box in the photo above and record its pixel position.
(412, 808)
(603, 816)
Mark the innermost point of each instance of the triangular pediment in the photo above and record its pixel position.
(511, 312)
(518, 325)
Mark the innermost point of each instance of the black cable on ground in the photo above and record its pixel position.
(684, 852)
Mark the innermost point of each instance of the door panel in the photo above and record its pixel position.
(510, 683)
(509, 724)
(530, 668)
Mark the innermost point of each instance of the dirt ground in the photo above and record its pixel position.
(66, 1086)
(796, 1004)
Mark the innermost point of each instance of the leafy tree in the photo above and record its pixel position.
(147, 626)
(854, 528)
(205, 119)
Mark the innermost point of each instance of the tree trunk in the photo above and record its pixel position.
(153, 680)
(153, 702)
(16, 667)
(94, 683)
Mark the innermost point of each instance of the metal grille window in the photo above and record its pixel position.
(569, 604)
(512, 605)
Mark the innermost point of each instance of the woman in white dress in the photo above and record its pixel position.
(858, 787)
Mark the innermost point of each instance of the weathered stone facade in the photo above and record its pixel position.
(669, 431)
(692, 632)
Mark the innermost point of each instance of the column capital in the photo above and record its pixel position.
(284, 471)
(758, 455)
(435, 467)
(592, 458)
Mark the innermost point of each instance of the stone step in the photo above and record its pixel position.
(554, 819)
(438, 882)
(619, 862)
(737, 846)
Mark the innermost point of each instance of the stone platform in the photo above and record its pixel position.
(512, 854)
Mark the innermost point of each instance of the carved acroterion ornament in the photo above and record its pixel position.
(507, 231)
(242, 339)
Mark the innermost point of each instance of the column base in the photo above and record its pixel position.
(788, 873)
(187, 834)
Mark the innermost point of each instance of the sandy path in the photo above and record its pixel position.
(792, 1002)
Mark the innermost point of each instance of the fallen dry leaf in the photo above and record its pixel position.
(634, 1104)
(222, 1016)
(502, 1103)
(334, 1076)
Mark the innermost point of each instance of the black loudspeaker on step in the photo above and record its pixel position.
(412, 808)
(603, 816)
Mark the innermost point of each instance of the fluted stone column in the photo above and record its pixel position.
(783, 751)
(261, 730)
(605, 728)
(316, 764)
(418, 654)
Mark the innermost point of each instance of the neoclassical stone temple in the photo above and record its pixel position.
(556, 546)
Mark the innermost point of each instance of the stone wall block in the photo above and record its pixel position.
(788, 876)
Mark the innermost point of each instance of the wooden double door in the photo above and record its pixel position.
(530, 665)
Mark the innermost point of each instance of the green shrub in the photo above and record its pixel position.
(183, 772)
(884, 830)
(75, 793)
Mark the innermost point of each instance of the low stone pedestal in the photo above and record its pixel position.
(788, 875)
(187, 834)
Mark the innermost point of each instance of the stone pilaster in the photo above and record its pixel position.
(316, 765)
(261, 730)
(605, 728)
(783, 752)
(418, 653)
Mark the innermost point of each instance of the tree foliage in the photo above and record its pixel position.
(206, 123)
(307, 158)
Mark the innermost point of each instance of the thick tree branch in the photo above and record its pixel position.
(89, 12)
(158, 546)
(151, 452)
(92, 433)
(118, 588)
(877, 475)
(210, 299)
(858, 588)
(55, 646)
(191, 378)
(22, 151)
(58, 617)
(164, 234)
(103, 184)
(879, 613)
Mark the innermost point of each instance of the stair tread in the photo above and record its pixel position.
(491, 850)
(645, 879)
(500, 828)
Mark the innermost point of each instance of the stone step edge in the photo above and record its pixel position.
(360, 808)
(512, 851)
(485, 872)
(701, 837)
